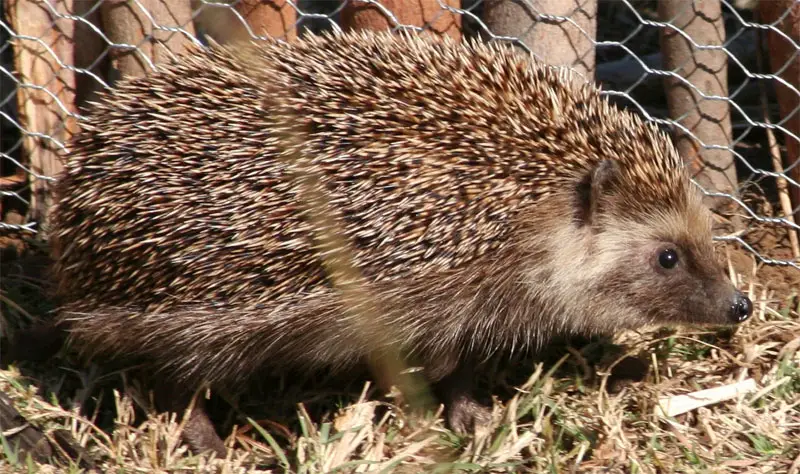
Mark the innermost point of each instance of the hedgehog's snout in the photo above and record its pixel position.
(741, 309)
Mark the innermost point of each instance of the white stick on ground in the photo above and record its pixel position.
(679, 404)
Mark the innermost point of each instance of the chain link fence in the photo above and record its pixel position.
(723, 81)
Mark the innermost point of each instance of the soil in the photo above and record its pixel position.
(770, 241)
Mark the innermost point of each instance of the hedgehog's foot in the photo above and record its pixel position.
(200, 435)
(198, 431)
(463, 413)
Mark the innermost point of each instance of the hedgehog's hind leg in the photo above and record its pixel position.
(198, 431)
(38, 343)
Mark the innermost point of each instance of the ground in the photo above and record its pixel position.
(587, 406)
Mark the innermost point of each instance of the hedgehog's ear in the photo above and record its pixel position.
(592, 190)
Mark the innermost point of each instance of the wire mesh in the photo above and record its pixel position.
(627, 62)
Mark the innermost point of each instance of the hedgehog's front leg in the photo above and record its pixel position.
(463, 412)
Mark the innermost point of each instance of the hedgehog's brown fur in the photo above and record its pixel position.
(489, 201)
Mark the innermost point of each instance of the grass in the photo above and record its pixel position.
(576, 410)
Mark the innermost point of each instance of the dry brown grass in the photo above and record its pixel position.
(574, 415)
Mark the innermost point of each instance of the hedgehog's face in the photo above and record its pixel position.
(660, 268)
(668, 274)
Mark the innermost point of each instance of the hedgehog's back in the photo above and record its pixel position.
(429, 151)
(175, 194)
(169, 191)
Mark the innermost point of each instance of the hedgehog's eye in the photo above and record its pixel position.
(668, 258)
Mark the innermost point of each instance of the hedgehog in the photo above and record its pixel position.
(488, 202)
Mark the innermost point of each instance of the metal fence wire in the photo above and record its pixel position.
(735, 65)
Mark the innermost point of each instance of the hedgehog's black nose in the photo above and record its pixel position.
(741, 309)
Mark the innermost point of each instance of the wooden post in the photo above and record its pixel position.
(559, 43)
(273, 18)
(357, 15)
(707, 72)
(125, 22)
(784, 58)
(45, 114)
